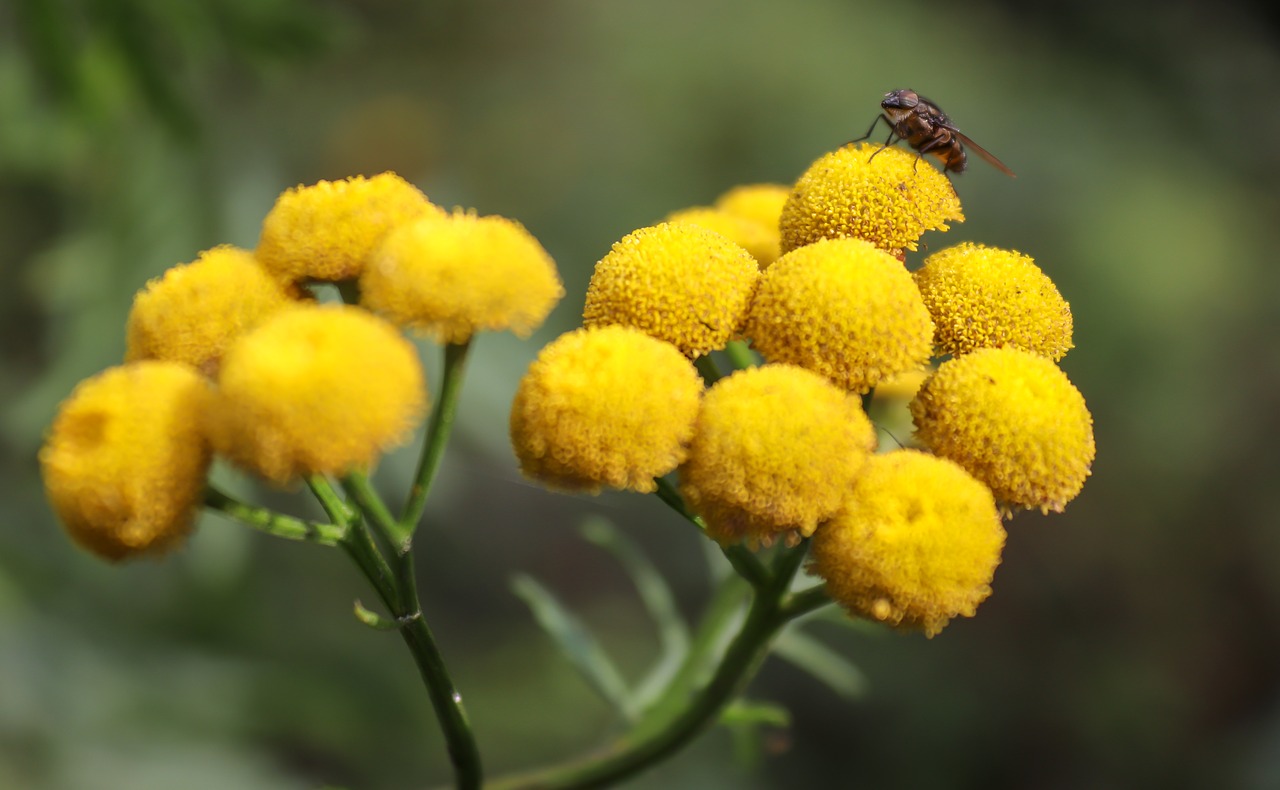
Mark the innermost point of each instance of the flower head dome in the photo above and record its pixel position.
(125, 460)
(842, 308)
(1013, 420)
(677, 282)
(915, 544)
(774, 452)
(889, 200)
(196, 310)
(606, 406)
(985, 297)
(761, 203)
(760, 240)
(328, 230)
(317, 390)
(451, 276)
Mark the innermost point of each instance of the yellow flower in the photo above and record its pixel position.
(680, 283)
(196, 310)
(454, 275)
(125, 460)
(327, 231)
(760, 202)
(760, 240)
(842, 308)
(890, 200)
(916, 543)
(1014, 421)
(774, 452)
(608, 406)
(317, 390)
(903, 386)
(984, 297)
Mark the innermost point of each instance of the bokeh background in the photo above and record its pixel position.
(1132, 642)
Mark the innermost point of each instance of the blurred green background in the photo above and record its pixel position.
(1132, 642)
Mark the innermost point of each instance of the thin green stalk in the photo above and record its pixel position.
(741, 558)
(333, 504)
(650, 744)
(455, 363)
(741, 355)
(446, 700)
(805, 601)
(273, 523)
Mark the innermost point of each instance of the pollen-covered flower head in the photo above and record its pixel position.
(915, 544)
(194, 311)
(328, 230)
(677, 282)
(125, 460)
(606, 406)
(889, 200)
(1014, 421)
(317, 390)
(842, 308)
(760, 240)
(986, 297)
(760, 202)
(774, 452)
(450, 276)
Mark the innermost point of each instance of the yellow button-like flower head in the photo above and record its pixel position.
(677, 282)
(760, 240)
(608, 406)
(317, 390)
(985, 297)
(452, 276)
(915, 544)
(890, 200)
(327, 231)
(775, 451)
(1014, 421)
(842, 308)
(124, 463)
(196, 310)
(760, 202)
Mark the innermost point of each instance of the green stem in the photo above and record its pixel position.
(649, 744)
(455, 362)
(446, 700)
(339, 511)
(805, 601)
(741, 355)
(273, 523)
(739, 556)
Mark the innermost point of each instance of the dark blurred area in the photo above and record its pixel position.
(1133, 641)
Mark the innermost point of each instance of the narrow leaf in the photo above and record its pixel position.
(576, 642)
(821, 661)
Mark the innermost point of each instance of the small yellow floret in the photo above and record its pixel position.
(985, 297)
(452, 276)
(317, 390)
(680, 283)
(1014, 421)
(760, 202)
(124, 463)
(196, 310)
(609, 406)
(916, 543)
(890, 200)
(842, 308)
(775, 450)
(327, 231)
(760, 240)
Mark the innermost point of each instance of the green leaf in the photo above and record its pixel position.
(673, 631)
(576, 642)
(822, 662)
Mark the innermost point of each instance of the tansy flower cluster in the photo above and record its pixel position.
(232, 354)
(782, 449)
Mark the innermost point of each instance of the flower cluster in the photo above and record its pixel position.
(966, 345)
(233, 355)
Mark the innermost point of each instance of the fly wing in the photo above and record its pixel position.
(982, 152)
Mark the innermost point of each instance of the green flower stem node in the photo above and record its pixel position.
(742, 560)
